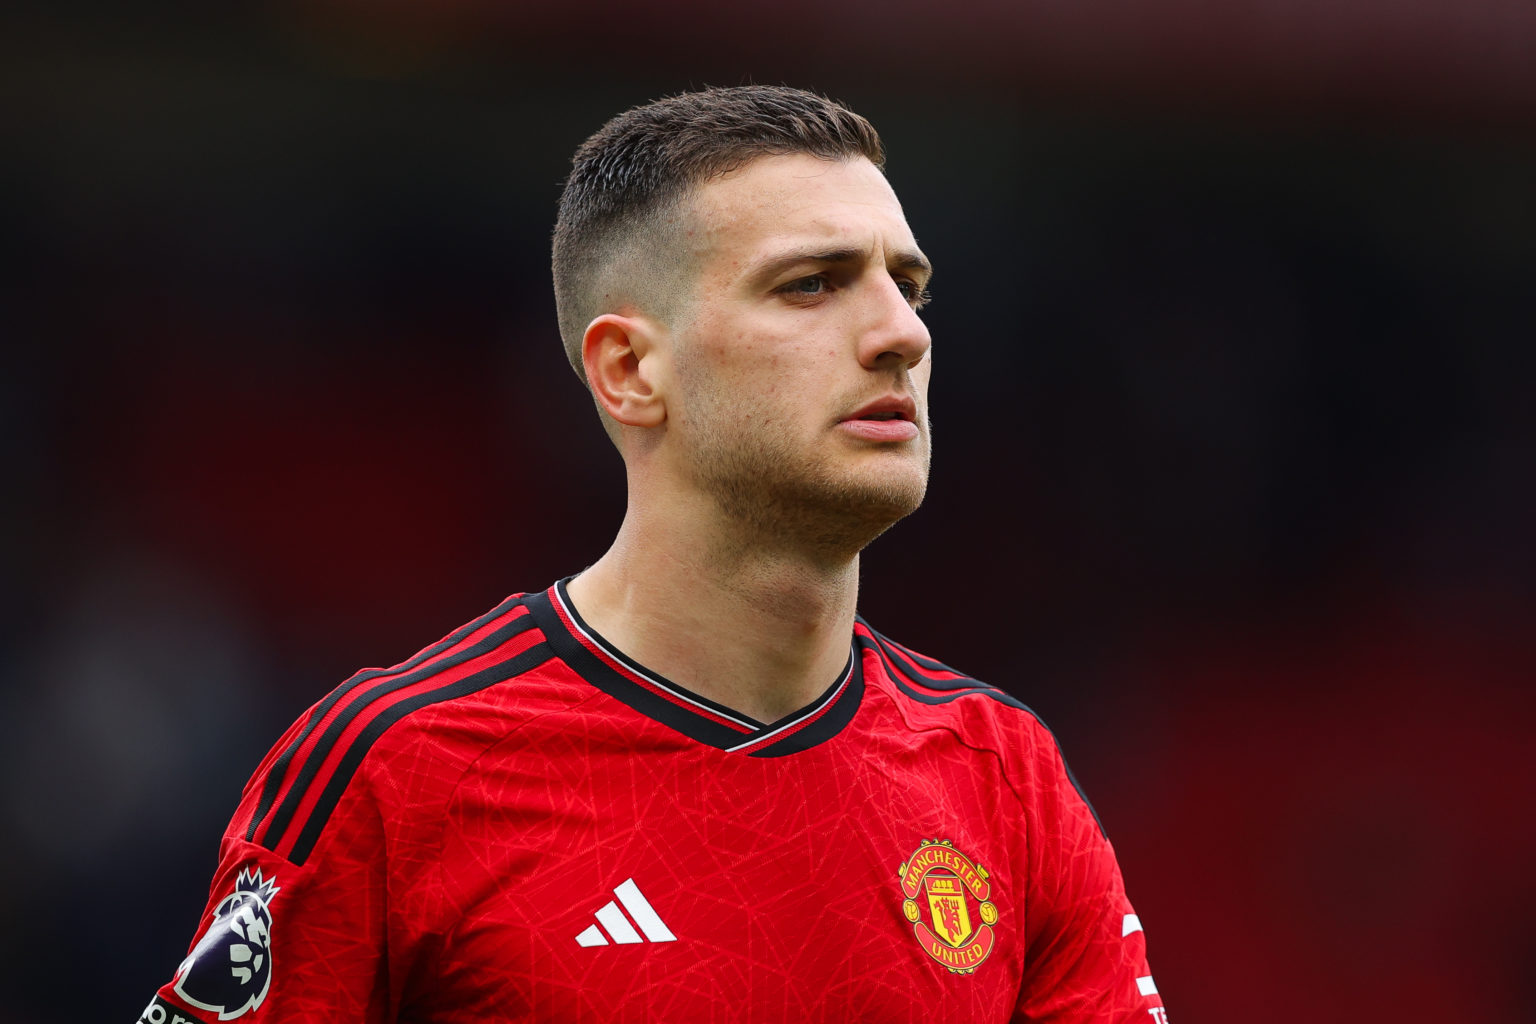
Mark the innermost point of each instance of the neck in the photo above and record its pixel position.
(761, 629)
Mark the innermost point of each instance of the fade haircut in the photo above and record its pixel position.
(616, 237)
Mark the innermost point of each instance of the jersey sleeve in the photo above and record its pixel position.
(1085, 958)
(298, 934)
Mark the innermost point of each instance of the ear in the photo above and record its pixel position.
(621, 357)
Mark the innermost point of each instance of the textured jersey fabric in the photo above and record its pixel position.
(521, 824)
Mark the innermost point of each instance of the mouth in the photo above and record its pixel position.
(892, 418)
(893, 407)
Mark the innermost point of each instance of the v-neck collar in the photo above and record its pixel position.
(653, 695)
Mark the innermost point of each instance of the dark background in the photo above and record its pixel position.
(1234, 476)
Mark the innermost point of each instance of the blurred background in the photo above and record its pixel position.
(1234, 478)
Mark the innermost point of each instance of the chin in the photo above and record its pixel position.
(897, 480)
(858, 511)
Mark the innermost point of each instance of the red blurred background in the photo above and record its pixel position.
(1234, 478)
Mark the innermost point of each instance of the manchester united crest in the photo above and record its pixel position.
(948, 900)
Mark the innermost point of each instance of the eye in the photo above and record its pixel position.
(814, 285)
(914, 293)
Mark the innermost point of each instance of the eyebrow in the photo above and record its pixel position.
(902, 259)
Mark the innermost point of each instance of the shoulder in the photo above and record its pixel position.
(397, 739)
(931, 695)
(935, 692)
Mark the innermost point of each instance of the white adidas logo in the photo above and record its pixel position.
(613, 919)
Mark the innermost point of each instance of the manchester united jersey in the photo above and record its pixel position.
(520, 823)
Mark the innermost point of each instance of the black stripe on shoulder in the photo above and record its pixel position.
(1072, 778)
(280, 768)
(331, 795)
(901, 671)
(926, 662)
(394, 680)
(903, 659)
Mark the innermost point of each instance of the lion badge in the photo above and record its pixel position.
(230, 968)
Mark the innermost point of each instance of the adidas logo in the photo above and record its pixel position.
(618, 926)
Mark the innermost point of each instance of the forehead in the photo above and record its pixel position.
(780, 202)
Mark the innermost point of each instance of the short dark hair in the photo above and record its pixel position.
(633, 171)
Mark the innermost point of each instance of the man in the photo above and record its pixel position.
(690, 784)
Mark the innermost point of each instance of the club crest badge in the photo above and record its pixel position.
(949, 902)
(230, 968)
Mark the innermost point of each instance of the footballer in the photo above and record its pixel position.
(691, 783)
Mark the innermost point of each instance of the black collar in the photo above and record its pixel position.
(653, 695)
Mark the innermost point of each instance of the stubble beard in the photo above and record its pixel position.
(777, 497)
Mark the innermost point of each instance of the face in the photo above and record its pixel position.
(799, 377)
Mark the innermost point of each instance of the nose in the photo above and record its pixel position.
(893, 334)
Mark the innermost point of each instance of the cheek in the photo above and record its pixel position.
(744, 365)
(722, 348)
(747, 371)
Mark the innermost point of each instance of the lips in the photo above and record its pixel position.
(890, 407)
(892, 418)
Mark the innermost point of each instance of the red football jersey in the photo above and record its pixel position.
(522, 824)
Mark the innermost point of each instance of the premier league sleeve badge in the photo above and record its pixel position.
(229, 970)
